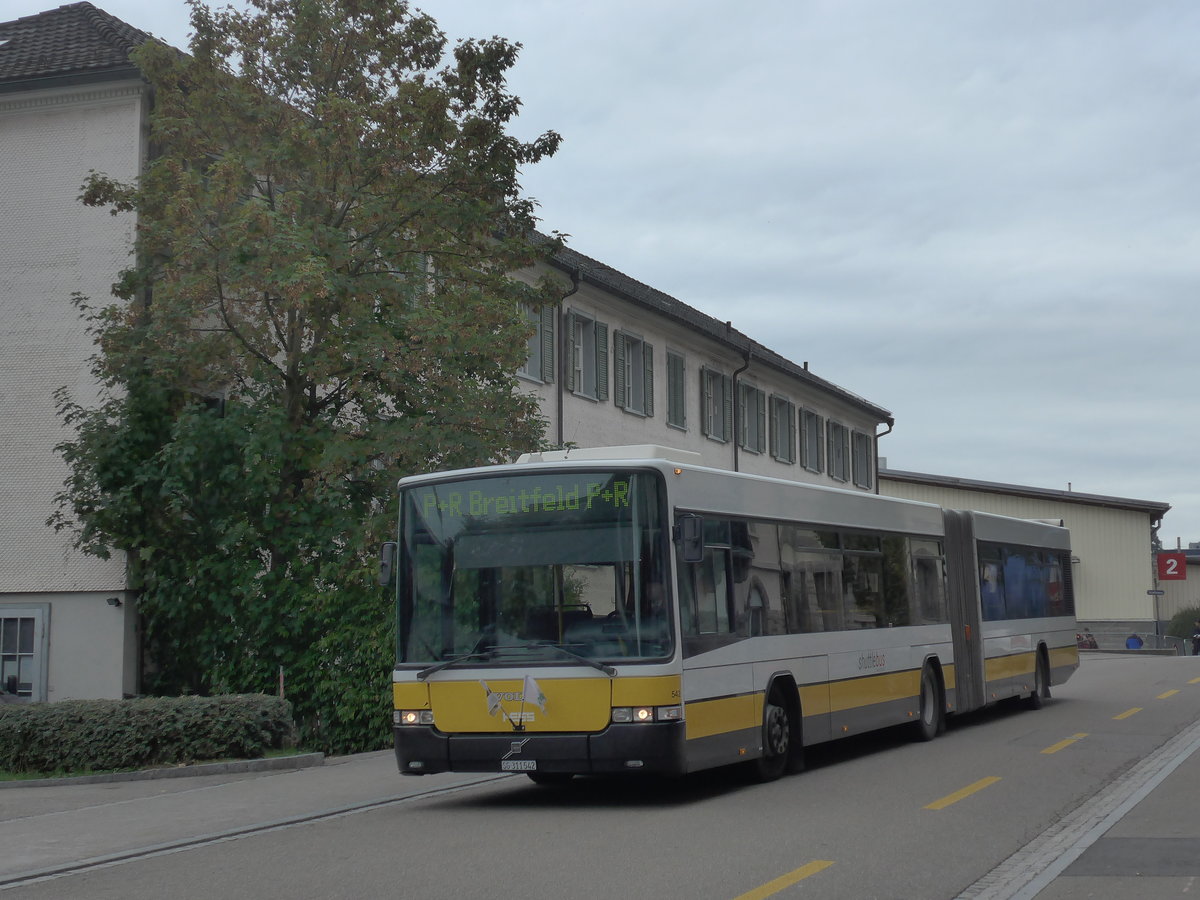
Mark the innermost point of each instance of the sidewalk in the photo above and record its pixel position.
(1149, 848)
(53, 827)
(1139, 837)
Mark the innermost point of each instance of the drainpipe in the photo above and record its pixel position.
(891, 425)
(736, 399)
(564, 342)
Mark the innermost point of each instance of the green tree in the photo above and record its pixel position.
(321, 301)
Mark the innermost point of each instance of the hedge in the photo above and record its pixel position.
(92, 735)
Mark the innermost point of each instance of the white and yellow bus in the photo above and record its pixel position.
(628, 610)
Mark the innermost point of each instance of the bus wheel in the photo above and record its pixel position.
(549, 779)
(777, 741)
(1041, 684)
(932, 713)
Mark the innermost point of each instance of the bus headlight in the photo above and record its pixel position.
(637, 714)
(412, 716)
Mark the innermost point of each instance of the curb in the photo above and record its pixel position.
(277, 764)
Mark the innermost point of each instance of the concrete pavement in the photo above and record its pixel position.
(1140, 837)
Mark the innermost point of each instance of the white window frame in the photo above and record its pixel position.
(587, 363)
(716, 404)
(38, 654)
(812, 440)
(783, 429)
(539, 359)
(752, 418)
(838, 454)
(633, 374)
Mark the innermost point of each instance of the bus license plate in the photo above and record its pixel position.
(518, 765)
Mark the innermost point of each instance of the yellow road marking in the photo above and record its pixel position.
(965, 792)
(1165, 694)
(1128, 713)
(783, 881)
(1194, 681)
(1054, 748)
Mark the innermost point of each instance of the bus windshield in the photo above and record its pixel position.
(545, 567)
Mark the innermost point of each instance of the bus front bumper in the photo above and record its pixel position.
(655, 748)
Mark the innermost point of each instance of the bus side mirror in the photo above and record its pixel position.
(689, 536)
(387, 557)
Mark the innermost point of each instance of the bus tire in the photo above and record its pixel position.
(932, 713)
(776, 739)
(550, 779)
(1041, 683)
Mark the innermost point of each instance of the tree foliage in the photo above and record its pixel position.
(321, 301)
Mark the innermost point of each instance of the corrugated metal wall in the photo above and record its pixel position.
(1116, 565)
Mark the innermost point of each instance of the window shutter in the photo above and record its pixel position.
(676, 413)
(601, 361)
(618, 370)
(705, 400)
(648, 379)
(761, 412)
(791, 433)
(548, 343)
(727, 392)
(572, 353)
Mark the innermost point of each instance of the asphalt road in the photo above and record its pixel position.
(975, 813)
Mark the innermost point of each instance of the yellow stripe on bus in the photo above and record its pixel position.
(1064, 656)
(860, 692)
(658, 690)
(705, 718)
(998, 667)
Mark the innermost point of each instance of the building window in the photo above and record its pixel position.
(752, 418)
(539, 363)
(839, 451)
(633, 374)
(716, 404)
(812, 443)
(587, 369)
(860, 444)
(23, 651)
(676, 391)
(783, 429)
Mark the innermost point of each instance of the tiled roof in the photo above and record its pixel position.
(79, 42)
(76, 42)
(608, 278)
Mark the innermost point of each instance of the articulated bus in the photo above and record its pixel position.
(629, 610)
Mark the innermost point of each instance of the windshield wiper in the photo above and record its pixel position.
(447, 663)
(595, 664)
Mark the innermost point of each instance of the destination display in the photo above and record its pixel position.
(502, 498)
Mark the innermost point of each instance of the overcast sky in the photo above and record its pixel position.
(984, 216)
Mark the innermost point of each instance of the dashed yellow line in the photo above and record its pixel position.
(1054, 748)
(1194, 681)
(783, 881)
(1165, 694)
(1128, 713)
(965, 792)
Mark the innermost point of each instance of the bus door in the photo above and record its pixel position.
(962, 582)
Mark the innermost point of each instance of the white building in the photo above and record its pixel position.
(619, 363)
(70, 101)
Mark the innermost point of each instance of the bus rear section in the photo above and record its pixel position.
(1014, 610)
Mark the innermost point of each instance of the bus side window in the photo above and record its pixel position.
(712, 598)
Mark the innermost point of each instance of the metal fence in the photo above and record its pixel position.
(1117, 640)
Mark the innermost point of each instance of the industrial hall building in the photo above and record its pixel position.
(617, 363)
